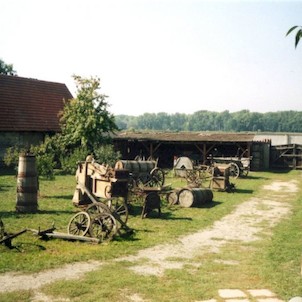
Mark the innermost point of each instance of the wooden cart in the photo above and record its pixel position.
(101, 193)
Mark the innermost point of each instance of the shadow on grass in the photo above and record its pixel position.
(65, 197)
(254, 177)
(244, 191)
(9, 214)
(5, 187)
(281, 171)
(22, 247)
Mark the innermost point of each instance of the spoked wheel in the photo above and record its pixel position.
(144, 180)
(234, 170)
(96, 208)
(205, 172)
(157, 177)
(192, 177)
(79, 224)
(103, 226)
(118, 206)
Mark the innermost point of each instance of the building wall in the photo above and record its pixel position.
(18, 139)
(280, 138)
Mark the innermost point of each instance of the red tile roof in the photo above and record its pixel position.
(30, 104)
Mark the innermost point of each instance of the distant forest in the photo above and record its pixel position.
(281, 121)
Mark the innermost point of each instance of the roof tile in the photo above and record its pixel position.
(30, 104)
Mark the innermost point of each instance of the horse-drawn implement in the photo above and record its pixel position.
(101, 193)
(239, 167)
(143, 172)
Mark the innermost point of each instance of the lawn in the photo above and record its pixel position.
(272, 263)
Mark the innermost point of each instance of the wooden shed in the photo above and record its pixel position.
(199, 146)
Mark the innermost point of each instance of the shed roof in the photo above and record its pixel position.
(30, 104)
(185, 136)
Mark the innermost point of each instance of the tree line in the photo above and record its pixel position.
(244, 120)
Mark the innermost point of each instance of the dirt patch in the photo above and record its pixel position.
(250, 219)
(244, 224)
(15, 281)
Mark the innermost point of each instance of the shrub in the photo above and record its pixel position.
(105, 154)
(69, 163)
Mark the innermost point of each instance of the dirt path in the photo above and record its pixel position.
(249, 220)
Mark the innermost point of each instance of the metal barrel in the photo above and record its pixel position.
(194, 197)
(27, 185)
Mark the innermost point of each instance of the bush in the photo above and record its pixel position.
(11, 157)
(44, 161)
(69, 163)
(105, 154)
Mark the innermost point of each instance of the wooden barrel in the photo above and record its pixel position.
(172, 197)
(27, 185)
(194, 197)
(136, 166)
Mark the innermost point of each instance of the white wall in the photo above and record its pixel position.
(280, 139)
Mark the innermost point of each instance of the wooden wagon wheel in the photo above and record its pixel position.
(157, 177)
(234, 170)
(205, 172)
(103, 226)
(192, 177)
(79, 224)
(116, 206)
(144, 180)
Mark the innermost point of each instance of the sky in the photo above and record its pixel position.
(172, 56)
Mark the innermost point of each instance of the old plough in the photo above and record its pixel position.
(6, 238)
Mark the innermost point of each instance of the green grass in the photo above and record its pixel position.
(272, 262)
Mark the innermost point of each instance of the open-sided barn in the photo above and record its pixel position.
(198, 146)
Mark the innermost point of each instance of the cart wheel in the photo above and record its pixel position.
(119, 206)
(79, 224)
(191, 176)
(157, 177)
(234, 170)
(96, 208)
(144, 180)
(205, 172)
(103, 226)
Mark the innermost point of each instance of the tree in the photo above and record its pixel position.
(85, 120)
(7, 69)
(298, 34)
